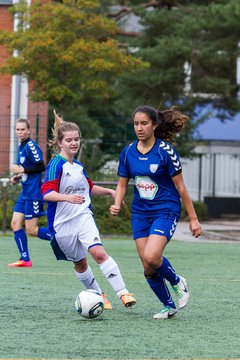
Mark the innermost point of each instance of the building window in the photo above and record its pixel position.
(6, 2)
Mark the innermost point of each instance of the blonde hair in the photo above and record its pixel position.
(59, 128)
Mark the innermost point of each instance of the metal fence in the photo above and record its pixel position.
(212, 175)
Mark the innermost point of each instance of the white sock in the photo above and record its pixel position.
(112, 273)
(88, 279)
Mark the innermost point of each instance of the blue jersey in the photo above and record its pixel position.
(29, 154)
(154, 190)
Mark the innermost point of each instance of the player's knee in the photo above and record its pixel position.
(81, 265)
(151, 260)
(32, 230)
(15, 225)
(99, 254)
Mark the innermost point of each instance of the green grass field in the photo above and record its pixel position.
(38, 320)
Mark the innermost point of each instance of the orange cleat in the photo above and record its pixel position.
(128, 300)
(107, 304)
(21, 263)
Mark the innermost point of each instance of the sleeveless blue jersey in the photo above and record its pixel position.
(29, 154)
(154, 190)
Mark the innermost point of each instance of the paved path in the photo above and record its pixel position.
(214, 231)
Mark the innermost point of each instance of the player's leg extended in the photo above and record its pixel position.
(112, 273)
(21, 240)
(33, 210)
(149, 249)
(155, 248)
(84, 273)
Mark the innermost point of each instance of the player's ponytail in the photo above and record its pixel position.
(59, 127)
(171, 122)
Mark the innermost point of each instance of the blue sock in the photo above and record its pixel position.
(20, 238)
(44, 233)
(159, 287)
(166, 271)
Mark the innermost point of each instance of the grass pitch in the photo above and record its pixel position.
(38, 319)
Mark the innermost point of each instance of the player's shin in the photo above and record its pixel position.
(166, 271)
(160, 289)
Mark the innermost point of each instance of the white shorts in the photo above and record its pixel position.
(75, 237)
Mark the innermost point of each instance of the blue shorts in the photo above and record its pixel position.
(30, 208)
(164, 225)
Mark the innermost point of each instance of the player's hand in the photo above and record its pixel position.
(114, 210)
(195, 228)
(17, 169)
(76, 199)
(15, 179)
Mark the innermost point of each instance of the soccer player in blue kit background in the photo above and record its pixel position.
(156, 169)
(29, 205)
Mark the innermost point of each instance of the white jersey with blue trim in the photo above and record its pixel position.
(66, 178)
(154, 190)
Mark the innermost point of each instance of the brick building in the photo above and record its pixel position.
(15, 103)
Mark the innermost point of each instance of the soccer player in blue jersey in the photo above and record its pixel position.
(29, 205)
(68, 189)
(156, 169)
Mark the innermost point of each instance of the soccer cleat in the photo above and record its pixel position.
(182, 292)
(128, 300)
(166, 313)
(106, 302)
(21, 263)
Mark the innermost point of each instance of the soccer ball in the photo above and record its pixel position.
(89, 304)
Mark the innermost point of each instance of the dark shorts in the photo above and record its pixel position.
(30, 208)
(164, 225)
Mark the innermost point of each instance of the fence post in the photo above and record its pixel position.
(200, 178)
(214, 176)
(4, 182)
(37, 127)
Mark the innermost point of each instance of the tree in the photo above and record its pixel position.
(68, 50)
(192, 48)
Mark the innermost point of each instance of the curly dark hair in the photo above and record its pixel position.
(169, 122)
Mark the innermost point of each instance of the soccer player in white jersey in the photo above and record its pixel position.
(156, 169)
(29, 205)
(68, 189)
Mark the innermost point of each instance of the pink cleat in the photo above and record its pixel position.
(21, 263)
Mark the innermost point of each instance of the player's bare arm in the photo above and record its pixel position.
(57, 197)
(194, 225)
(102, 191)
(17, 169)
(120, 193)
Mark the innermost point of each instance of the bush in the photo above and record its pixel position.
(107, 223)
(200, 208)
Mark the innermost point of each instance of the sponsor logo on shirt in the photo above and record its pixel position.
(74, 190)
(22, 159)
(146, 186)
(153, 168)
(142, 158)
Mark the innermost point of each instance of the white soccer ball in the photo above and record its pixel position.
(89, 304)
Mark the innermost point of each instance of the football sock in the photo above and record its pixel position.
(159, 287)
(112, 273)
(166, 271)
(88, 280)
(43, 233)
(20, 238)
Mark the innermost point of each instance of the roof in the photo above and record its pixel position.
(216, 129)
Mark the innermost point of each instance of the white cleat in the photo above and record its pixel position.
(166, 313)
(182, 292)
